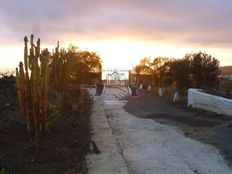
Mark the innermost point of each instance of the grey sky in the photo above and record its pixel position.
(199, 22)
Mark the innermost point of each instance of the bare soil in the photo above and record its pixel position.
(63, 150)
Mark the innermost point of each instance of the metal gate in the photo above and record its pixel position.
(118, 77)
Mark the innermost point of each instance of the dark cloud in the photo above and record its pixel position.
(199, 22)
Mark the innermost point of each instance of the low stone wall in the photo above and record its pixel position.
(198, 99)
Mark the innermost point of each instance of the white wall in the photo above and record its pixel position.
(198, 99)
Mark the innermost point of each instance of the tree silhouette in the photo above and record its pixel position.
(72, 64)
(204, 69)
(180, 72)
(161, 67)
(144, 67)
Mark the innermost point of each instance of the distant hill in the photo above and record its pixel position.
(226, 70)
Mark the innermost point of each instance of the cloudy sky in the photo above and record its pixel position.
(122, 31)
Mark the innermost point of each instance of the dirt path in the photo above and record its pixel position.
(150, 147)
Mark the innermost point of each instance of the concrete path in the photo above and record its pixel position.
(146, 146)
(109, 161)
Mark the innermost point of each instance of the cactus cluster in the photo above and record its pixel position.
(32, 78)
(59, 68)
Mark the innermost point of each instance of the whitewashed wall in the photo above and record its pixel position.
(198, 99)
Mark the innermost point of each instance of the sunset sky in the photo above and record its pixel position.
(121, 31)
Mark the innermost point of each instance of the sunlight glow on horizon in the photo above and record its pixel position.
(126, 53)
(115, 53)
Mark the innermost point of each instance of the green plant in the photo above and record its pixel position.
(32, 79)
(54, 115)
(4, 171)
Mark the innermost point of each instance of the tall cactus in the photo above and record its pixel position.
(32, 85)
(59, 68)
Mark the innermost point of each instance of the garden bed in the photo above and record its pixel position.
(63, 150)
